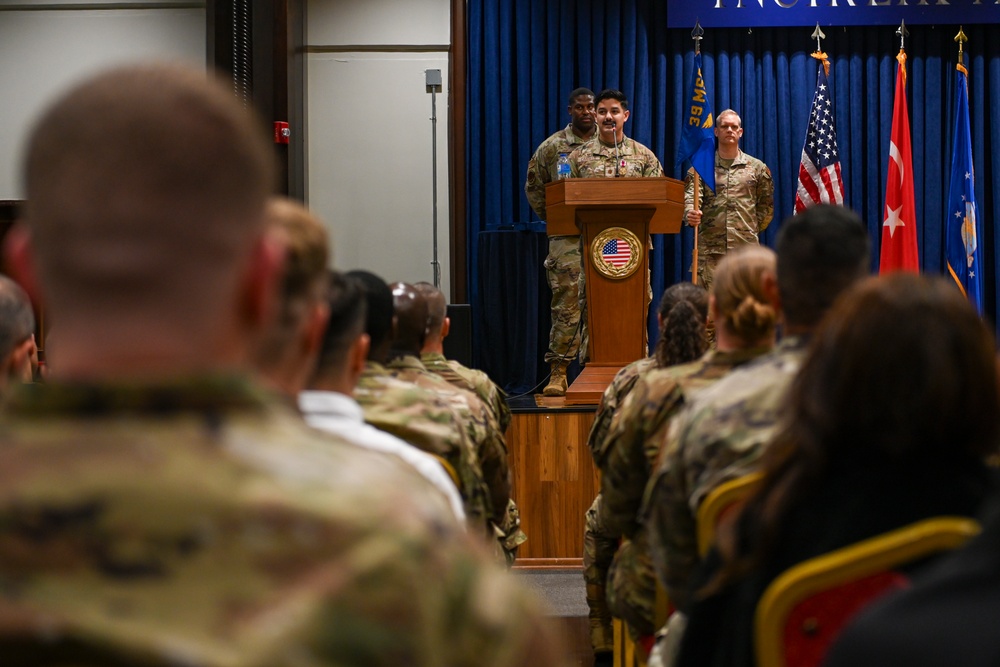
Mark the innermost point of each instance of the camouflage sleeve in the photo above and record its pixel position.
(669, 520)
(388, 614)
(432, 428)
(496, 472)
(497, 402)
(653, 166)
(574, 162)
(688, 192)
(602, 424)
(765, 198)
(626, 470)
(534, 184)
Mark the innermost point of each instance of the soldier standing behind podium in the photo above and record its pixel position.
(562, 266)
(741, 206)
(610, 154)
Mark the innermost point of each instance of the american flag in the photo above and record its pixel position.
(616, 252)
(819, 172)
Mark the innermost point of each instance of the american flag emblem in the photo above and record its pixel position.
(616, 252)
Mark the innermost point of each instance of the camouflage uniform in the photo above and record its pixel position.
(429, 423)
(718, 437)
(600, 544)
(491, 447)
(562, 266)
(630, 454)
(596, 159)
(740, 209)
(201, 523)
(474, 380)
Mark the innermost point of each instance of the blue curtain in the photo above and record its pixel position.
(525, 56)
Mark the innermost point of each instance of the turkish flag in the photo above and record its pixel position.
(899, 226)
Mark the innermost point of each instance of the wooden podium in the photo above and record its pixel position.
(620, 214)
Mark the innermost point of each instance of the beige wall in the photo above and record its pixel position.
(44, 50)
(368, 129)
(368, 132)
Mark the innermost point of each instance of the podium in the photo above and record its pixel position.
(614, 217)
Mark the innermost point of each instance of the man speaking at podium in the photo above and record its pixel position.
(609, 154)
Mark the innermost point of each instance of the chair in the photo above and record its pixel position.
(625, 654)
(718, 503)
(803, 610)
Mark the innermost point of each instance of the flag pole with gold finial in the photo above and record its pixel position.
(819, 55)
(697, 35)
(961, 39)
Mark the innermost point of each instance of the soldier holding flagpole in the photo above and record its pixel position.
(732, 202)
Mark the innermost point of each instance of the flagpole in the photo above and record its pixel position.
(696, 35)
(818, 35)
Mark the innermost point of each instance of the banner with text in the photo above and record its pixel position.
(776, 13)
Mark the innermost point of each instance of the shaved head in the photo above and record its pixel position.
(411, 319)
(437, 307)
(146, 187)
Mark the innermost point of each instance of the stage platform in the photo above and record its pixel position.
(553, 478)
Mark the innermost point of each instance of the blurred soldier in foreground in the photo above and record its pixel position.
(157, 508)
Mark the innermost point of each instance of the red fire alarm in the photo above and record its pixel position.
(281, 132)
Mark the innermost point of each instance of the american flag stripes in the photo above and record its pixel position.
(616, 252)
(819, 171)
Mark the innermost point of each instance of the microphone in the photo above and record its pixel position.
(618, 160)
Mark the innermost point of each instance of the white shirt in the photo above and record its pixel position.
(341, 415)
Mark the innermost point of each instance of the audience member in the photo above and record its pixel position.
(743, 306)
(887, 423)
(433, 359)
(287, 354)
(18, 352)
(328, 404)
(681, 317)
(414, 414)
(720, 434)
(158, 507)
(411, 310)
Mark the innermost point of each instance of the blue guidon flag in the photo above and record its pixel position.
(616, 252)
(698, 132)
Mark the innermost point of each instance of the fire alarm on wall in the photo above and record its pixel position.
(281, 132)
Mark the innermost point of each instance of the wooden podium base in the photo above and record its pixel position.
(553, 480)
(590, 384)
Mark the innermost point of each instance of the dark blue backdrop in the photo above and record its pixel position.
(526, 55)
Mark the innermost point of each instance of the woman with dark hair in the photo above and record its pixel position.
(888, 422)
(682, 316)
